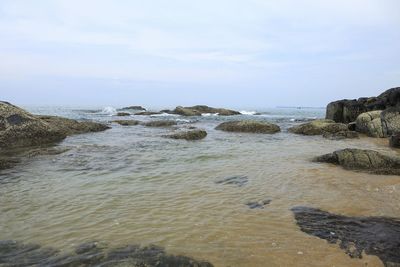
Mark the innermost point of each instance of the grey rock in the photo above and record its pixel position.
(249, 126)
(196, 134)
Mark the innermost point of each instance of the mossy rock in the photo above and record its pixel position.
(249, 126)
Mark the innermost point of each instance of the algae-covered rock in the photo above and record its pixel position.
(189, 135)
(318, 127)
(249, 126)
(161, 123)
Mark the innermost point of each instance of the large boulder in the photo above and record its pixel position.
(363, 160)
(370, 123)
(202, 109)
(318, 127)
(71, 127)
(348, 110)
(249, 126)
(391, 121)
(188, 135)
(19, 128)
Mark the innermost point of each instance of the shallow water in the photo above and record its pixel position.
(130, 185)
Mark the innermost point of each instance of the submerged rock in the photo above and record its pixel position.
(258, 204)
(13, 253)
(249, 126)
(363, 160)
(164, 123)
(122, 114)
(379, 236)
(127, 122)
(202, 109)
(148, 113)
(19, 128)
(188, 135)
(341, 135)
(239, 180)
(133, 108)
(319, 127)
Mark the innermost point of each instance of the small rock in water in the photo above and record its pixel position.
(239, 181)
(379, 236)
(258, 204)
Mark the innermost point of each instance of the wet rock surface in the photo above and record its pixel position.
(196, 134)
(148, 113)
(164, 123)
(239, 180)
(379, 236)
(202, 109)
(258, 204)
(249, 126)
(122, 114)
(127, 122)
(319, 127)
(341, 135)
(133, 108)
(13, 253)
(363, 160)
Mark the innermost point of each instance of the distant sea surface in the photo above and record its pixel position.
(130, 185)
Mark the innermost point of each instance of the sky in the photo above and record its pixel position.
(231, 53)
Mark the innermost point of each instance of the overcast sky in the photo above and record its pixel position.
(248, 53)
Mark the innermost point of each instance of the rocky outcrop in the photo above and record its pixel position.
(370, 123)
(201, 109)
(249, 127)
(19, 128)
(346, 111)
(164, 123)
(363, 160)
(189, 135)
(127, 122)
(71, 127)
(379, 236)
(133, 108)
(319, 127)
(122, 114)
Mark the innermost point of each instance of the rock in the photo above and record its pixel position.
(164, 123)
(346, 111)
(13, 253)
(148, 113)
(390, 119)
(341, 135)
(370, 123)
(239, 180)
(71, 127)
(127, 122)
(189, 135)
(258, 204)
(352, 126)
(318, 127)
(379, 236)
(133, 108)
(249, 126)
(19, 128)
(394, 140)
(201, 109)
(363, 160)
(122, 114)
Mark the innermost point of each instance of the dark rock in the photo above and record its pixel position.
(201, 109)
(351, 126)
(379, 236)
(258, 204)
(363, 160)
(348, 110)
(318, 127)
(148, 113)
(341, 135)
(122, 114)
(248, 126)
(165, 123)
(127, 122)
(133, 108)
(71, 127)
(394, 140)
(189, 135)
(239, 180)
(14, 253)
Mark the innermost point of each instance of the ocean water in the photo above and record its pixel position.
(130, 185)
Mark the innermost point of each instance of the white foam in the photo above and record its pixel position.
(164, 115)
(209, 114)
(109, 111)
(245, 112)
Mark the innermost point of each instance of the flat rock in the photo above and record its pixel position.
(363, 160)
(319, 127)
(202, 109)
(249, 126)
(123, 114)
(196, 134)
(162, 123)
(127, 122)
(378, 236)
(148, 113)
